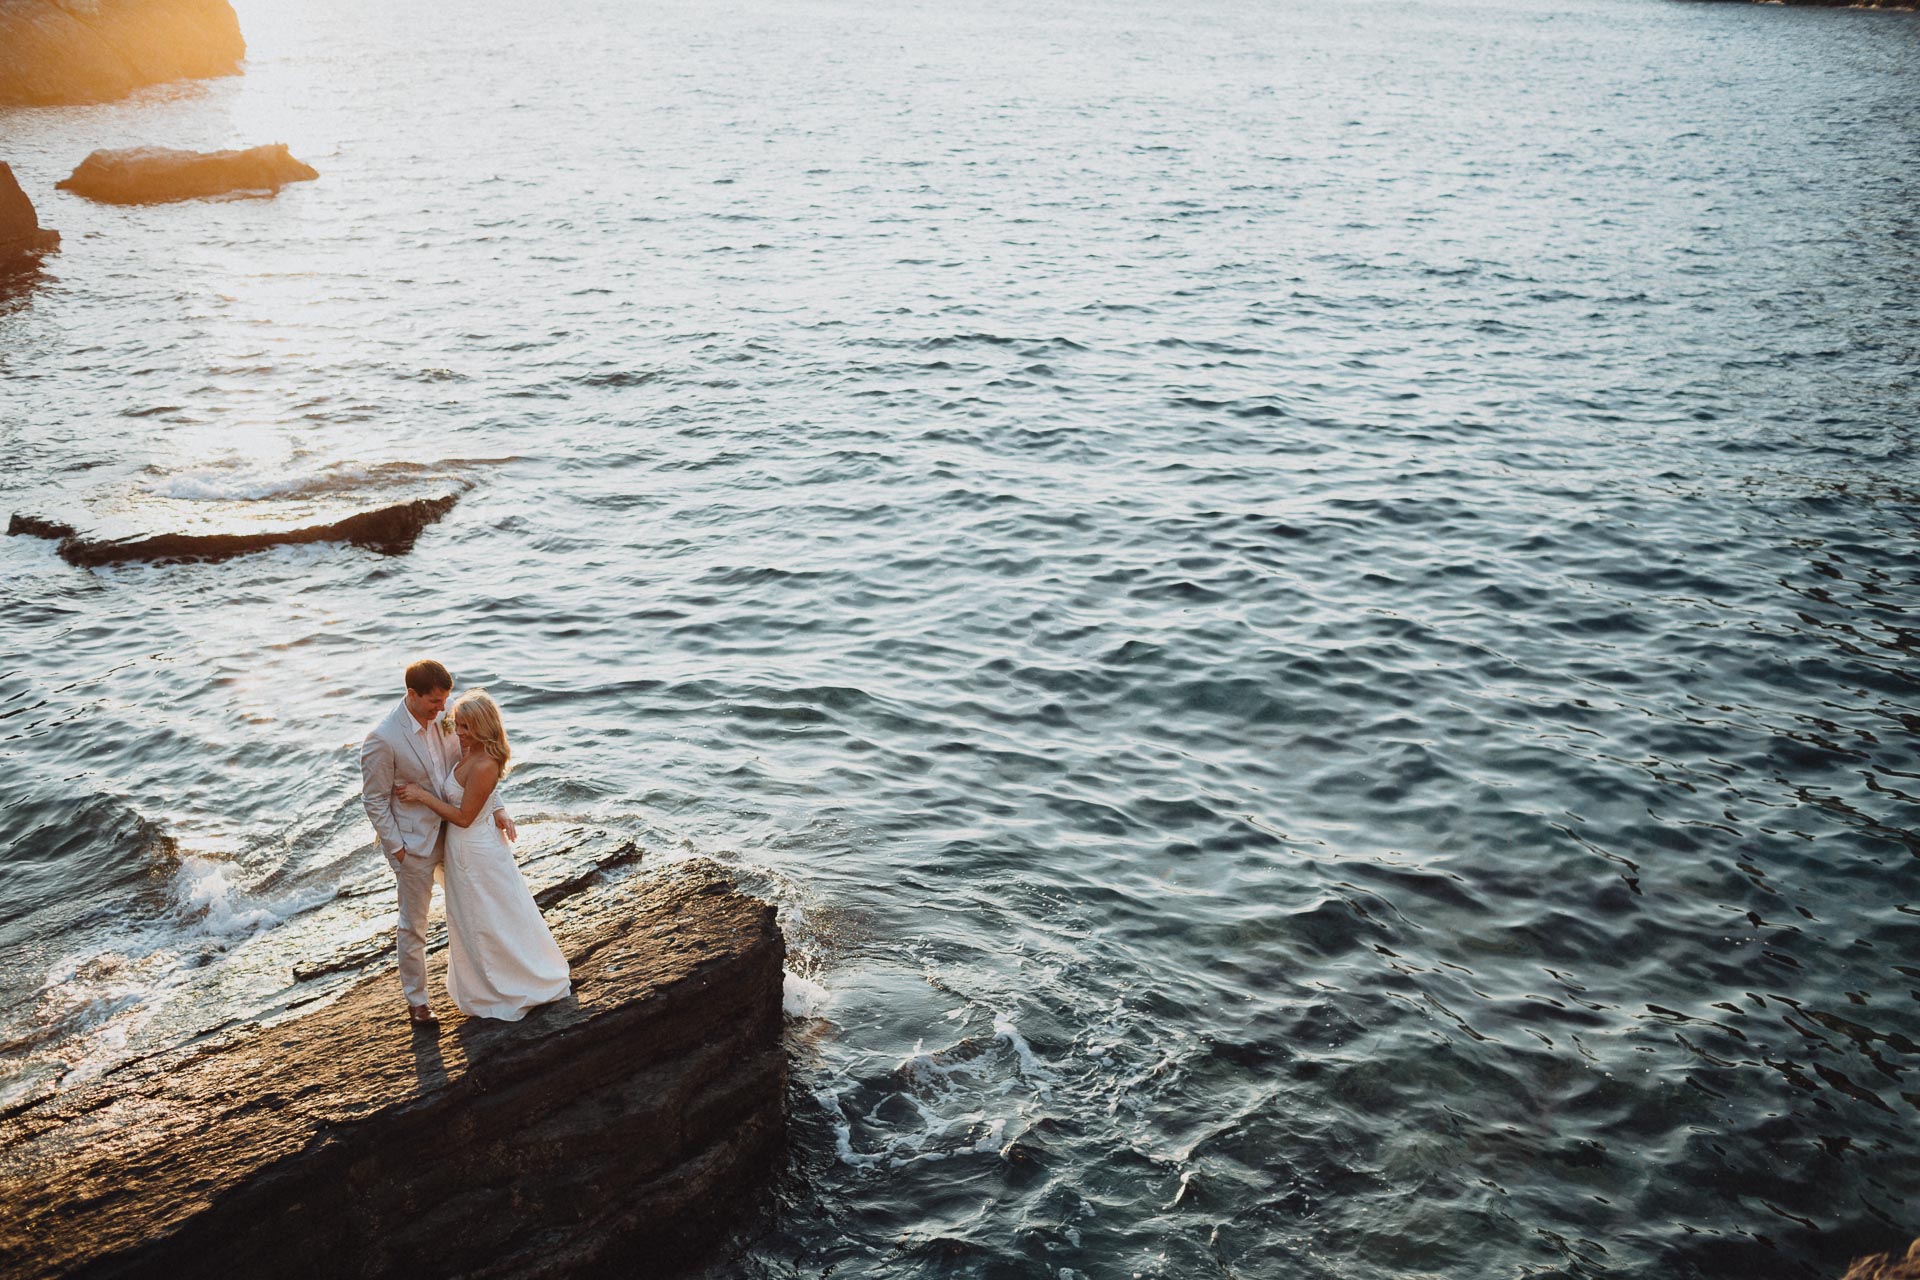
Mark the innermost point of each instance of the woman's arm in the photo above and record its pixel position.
(474, 793)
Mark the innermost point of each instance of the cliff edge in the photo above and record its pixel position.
(617, 1132)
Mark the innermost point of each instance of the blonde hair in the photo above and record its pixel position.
(475, 712)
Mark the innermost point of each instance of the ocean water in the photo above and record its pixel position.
(1308, 609)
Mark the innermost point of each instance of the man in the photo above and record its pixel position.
(412, 745)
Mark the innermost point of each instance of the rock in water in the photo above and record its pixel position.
(39, 527)
(54, 52)
(617, 1132)
(1885, 1266)
(21, 235)
(390, 530)
(156, 175)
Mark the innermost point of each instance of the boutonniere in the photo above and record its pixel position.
(446, 723)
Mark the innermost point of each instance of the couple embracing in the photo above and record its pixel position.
(430, 781)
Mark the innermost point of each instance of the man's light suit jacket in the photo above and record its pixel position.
(393, 753)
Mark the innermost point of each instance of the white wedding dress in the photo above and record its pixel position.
(501, 961)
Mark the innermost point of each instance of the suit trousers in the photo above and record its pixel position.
(415, 874)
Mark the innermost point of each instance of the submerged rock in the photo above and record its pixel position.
(54, 52)
(21, 235)
(390, 530)
(620, 1131)
(157, 175)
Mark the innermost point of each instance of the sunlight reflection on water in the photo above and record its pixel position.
(1304, 608)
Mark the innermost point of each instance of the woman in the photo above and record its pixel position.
(501, 961)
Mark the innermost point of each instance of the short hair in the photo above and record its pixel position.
(427, 675)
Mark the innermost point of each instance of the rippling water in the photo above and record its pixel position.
(1308, 608)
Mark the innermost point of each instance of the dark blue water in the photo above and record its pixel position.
(1308, 609)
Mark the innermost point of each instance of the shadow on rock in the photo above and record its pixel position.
(429, 1068)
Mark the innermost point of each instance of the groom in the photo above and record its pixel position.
(413, 745)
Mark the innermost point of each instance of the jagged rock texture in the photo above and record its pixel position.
(618, 1132)
(390, 530)
(21, 235)
(55, 52)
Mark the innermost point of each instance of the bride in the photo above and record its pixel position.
(501, 961)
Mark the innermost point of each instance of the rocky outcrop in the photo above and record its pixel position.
(158, 175)
(39, 527)
(54, 52)
(22, 238)
(1885, 1266)
(620, 1131)
(390, 530)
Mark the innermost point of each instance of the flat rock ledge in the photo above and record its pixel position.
(621, 1131)
(161, 175)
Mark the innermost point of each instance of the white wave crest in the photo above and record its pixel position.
(210, 901)
(963, 1099)
(217, 485)
(802, 997)
(1031, 1068)
(843, 1130)
(249, 482)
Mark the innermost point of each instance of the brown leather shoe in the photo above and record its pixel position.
(421, 1016)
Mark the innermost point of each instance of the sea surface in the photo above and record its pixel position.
(1309, 609)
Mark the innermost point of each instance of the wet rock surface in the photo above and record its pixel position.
(22, 238)
(391, 530)
(56, 52)
(160, 175)
(619, 1131)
